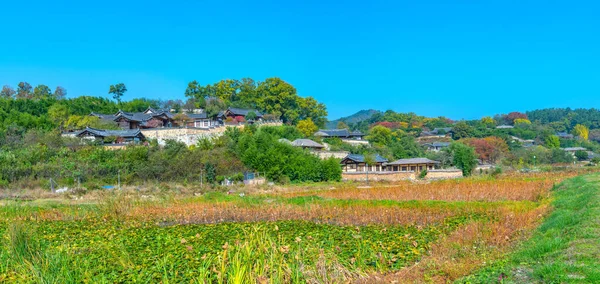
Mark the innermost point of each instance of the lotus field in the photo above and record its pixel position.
(408, 232)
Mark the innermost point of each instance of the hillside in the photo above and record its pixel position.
(355, 118)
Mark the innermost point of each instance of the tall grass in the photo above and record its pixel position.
(30, 261)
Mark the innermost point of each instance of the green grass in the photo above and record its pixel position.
(564, 249)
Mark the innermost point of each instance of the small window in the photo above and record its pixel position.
(413, 168)
(420, 168)
(431, 167)
(404, 169)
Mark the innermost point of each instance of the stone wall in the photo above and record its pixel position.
(191, 135)
(444, 174)
(378, 176)
(396, 176)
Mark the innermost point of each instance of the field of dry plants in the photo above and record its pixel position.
(406, 231)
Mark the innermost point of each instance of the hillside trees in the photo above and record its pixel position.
(272, 96)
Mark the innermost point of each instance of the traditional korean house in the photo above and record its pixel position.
(411, 165)
(356, 163)
(237, 113)
(120, 136)
(307, 144)
(150, 118)
(436, 146)
(339, 133)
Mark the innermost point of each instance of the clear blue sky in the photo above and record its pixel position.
(461, 59)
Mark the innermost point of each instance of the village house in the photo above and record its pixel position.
(201, 120)
(436, 146)
(356, 163)
(573, 150)
(307, 144)
(150, 118)
(411, 165)
(236, 114)
(564, 135)
(504, 126)
(524, 142)
(438, 132)
(120, 136)
(349, 137)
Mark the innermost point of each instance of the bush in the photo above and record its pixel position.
(423, 174)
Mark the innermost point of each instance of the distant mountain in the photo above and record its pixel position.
(355, 118)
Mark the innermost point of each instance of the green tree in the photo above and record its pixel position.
(552, 141)
(463, 157)
(462, 130)
(251, 116)
(581, 155)
(195, 91)
(307, 127)
(117, 90)
(41, 92)
(211, 173)
(380, 135)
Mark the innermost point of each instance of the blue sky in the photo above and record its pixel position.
(461, 59)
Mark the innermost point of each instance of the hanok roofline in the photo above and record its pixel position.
(564, 135)
(128, 134)
(307, 143)
(437, 144)
(339, 133)
(233, 112)
(574, 149)
(504, 126)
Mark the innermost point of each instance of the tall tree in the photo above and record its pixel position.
(196, 92)
(24, 90)
(463, 157)
(117, 91)
(7, 92)
(41, 92)
(60, 93)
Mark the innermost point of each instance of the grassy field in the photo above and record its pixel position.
(470, 230)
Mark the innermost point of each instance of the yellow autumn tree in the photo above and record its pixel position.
(307, 127)
(581, 131)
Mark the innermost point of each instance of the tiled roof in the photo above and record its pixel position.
(306, 143)
(438, 144)
(573, 149)
(413, 161)
(361, 158)
(105, 133)
(243, 112)
(337, 133)
(197, 115)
